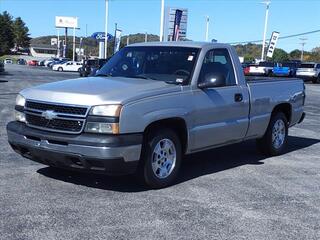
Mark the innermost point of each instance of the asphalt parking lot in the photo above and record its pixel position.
(227, 193)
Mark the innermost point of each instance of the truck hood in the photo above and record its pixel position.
(98, 90)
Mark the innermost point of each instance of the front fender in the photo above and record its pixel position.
(136, 117)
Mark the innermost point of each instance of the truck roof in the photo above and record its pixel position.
(190, 44)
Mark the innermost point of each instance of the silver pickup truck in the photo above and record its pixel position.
(150, 105)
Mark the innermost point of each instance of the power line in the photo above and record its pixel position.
(284, 37)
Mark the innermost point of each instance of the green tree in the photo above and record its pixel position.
(280, 55)
(249, 58)
(295, 54)
(6, 33)
(20, 31)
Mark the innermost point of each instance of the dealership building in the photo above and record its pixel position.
(43, 51)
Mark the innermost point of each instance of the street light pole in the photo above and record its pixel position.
(161, 20)
(106, 31)
(207, 28)
(303, 42)
(267, 2)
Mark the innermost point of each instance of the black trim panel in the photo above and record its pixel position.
(76, 162)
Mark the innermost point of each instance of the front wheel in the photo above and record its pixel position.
(60, 69)
(275, 139)
(161, 158)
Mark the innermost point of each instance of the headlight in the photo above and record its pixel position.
(20, 100)
(106, 110)
(19, 116)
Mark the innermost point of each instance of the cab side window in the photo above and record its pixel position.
(218, 61)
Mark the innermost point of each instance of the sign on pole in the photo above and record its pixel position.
(100, 36)
(54, 41)
(272, 44)
(66, 22)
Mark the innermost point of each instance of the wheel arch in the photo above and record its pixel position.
(177, 124)
(285, 108)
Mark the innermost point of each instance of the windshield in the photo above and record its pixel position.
(289, 65)
(266, 64)
(169, 64)
(307, 65)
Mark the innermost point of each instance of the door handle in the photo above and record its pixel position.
(238, 97)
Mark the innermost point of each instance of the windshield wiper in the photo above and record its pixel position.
(142, 77)
(172, 82)
(103, 75)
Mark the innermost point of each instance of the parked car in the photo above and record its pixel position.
(21, 61)
(41, 63)
(286, 69)
(51, 64)
(1, 66)
(68, 67)
(50, 60)
(33, 63)
(246, 68)
(309, 71)
(151, 104)
(90, 66)
(8, 61)
(262, 69)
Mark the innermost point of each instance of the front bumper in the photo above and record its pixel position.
(306, 75)
(109, 154)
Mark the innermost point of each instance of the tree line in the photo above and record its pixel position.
(251, 51)
(13, 33)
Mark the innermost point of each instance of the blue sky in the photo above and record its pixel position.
(230, 20)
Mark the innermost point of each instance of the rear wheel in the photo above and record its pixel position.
(275, 139)
(161, 158)
(316, 80)
(60, 69)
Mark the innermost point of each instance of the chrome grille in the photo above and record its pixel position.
(73, 110)
(67, 119)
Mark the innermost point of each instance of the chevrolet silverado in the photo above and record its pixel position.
(151, 104)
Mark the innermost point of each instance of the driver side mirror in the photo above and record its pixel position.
(212, 80)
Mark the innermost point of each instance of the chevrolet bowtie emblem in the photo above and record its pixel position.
(49, 115)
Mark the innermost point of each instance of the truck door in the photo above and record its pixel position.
(221, 113)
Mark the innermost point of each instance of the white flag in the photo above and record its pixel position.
(272, 44)
(117, 40)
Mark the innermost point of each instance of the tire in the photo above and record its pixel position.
(60, 69)
(316, 80)
(277, 128)
(151, 163)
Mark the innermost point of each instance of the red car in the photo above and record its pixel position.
(246, 70)
(33, 63)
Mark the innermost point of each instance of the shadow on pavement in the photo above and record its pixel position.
(194, 166)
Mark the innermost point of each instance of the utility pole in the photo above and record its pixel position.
(267, 3)
(128, 40)
(74, 45)
(161, 21)
(303, 42)
(106, 30)
(58, 45)
(207, 28)
(146, 37)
